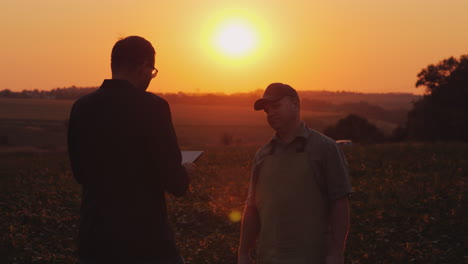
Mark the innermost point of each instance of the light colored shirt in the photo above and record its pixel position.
(326, 160)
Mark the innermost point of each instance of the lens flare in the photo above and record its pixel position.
(235, 216)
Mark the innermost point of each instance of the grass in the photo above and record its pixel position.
(34, 109)
(408, 205)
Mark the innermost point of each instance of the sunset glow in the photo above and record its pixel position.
(235, 38)
(218, 46)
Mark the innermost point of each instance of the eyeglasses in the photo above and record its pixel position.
(154, 72)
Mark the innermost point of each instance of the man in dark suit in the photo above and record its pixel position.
(124, 152)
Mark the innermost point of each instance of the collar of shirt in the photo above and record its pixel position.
(118, 85)
(301, 132)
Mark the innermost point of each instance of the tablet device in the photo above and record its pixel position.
(190, 156)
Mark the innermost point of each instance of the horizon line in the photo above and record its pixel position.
(223, 93)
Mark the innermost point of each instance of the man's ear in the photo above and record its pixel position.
(140, 67)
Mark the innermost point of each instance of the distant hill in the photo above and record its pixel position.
(316, 99)
(385, 107)
(384, 100)
(388, 108)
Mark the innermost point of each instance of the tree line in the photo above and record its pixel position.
(440, 115)
(360, 108)
(66, 93)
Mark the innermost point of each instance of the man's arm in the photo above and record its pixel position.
(165, 149)
(339, 226)
(73, 147)
(176, 179)
(249, 231)
(338, 188)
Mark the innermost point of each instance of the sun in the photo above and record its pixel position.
(235, 38)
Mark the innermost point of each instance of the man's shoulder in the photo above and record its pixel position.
(152, 98)
(319, 138)
(262, 152)
(318, 142)
(86, 99)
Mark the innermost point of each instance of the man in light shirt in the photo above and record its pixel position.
(297, 209)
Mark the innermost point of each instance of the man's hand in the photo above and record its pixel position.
(244, 259)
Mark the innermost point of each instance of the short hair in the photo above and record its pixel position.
(131, 52)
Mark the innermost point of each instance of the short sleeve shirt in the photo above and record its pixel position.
(326, 159)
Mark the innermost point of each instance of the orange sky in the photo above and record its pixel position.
(352, 45)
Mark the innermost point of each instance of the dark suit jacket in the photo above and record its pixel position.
(123, 150)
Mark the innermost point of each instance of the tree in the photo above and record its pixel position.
(355, 128)
(442, 113)
(6, 93)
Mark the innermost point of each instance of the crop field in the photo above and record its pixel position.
(408, 205)
(42, 123)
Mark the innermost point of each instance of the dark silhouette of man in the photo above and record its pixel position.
(124, 152)
(297, 208)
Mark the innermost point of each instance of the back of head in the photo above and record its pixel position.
(130, 52)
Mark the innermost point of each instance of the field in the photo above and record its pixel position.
(408, 205)
(42, 123)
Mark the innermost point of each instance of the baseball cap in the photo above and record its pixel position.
(273, 93)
